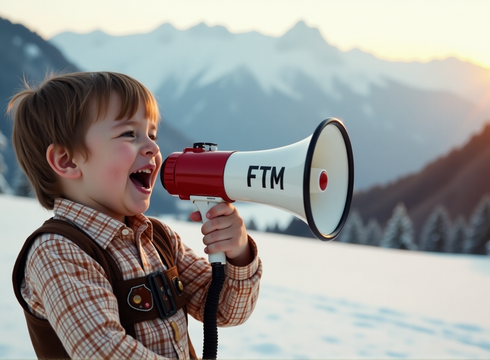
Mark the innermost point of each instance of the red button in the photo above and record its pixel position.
(323, 180)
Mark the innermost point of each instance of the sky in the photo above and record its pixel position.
(401, 30)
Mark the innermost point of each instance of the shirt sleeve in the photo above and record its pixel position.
(240, 290)
(78, 302)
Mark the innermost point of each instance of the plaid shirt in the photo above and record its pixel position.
(70, 289)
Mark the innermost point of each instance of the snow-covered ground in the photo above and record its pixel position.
(318, 300)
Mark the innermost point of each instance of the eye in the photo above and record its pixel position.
(153, 137)
(129, 133)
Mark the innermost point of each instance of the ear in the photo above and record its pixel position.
(61, 163)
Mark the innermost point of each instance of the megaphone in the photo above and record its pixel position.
(313, 179)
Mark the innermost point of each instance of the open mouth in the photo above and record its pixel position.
(141, 178)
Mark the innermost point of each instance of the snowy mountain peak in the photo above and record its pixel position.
(303, 36)
(211, 52)
(209, 78)
(165, 28)
(304, 39)
(203, 30)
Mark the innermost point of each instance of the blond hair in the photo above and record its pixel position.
(59, 111)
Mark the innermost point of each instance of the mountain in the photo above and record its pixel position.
(457, 181)
(24, 54)
(249, 91)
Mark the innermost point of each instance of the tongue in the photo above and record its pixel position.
(136, 182)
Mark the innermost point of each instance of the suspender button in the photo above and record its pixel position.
(178, 285)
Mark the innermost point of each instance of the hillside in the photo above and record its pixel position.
(24, 54)
(457, 181)
(249, 91)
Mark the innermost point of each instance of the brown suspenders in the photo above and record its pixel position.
(158, 295)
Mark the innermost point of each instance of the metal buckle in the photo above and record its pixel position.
(162, 294)
(140, 298)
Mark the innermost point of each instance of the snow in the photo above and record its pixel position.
(189, 55)
(318, 300)
(32, 51)
(209, 53)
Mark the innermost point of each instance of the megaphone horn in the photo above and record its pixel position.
(313, 179)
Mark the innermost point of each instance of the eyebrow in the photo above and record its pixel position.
(125, 122)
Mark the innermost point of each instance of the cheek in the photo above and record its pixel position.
(107, 174)
(159, 160)
(115, 165)
(125, 154)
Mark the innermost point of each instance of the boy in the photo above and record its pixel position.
(87, 143)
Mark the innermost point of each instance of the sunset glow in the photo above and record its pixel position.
(395, 30)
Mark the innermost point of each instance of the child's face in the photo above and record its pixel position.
(123, 164)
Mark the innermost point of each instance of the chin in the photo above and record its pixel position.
(138, 208)
(143, 209)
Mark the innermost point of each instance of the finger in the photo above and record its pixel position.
(222, 245)
(231, 234)
(214, 248)
(195, 216)
(227, 215)
(229, 245)
(218, 236)
(221, 209)
(221, 223)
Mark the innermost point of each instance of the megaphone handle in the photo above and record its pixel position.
(203, 204)
(217, 260)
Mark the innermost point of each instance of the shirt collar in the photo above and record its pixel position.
(100, 227)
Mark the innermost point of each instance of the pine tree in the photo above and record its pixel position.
(353, 231)
(374, 233)
(298, 227)
(399, 230)
(457, 237)
(3, 144)
(22, 186)
(4, 186)
(251, 225)
(435, 233)
(274, 229)
(479, 229)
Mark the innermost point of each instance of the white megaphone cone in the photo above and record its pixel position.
(313, 179)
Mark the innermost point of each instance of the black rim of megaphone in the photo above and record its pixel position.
(306, 179)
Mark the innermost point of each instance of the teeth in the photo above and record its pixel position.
(148, 171)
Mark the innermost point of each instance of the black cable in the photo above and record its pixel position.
(210, 347)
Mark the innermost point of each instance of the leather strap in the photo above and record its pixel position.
(45, 341)
(124, 294)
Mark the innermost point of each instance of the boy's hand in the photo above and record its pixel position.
(225, 231)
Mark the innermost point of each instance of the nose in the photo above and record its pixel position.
(150, 147)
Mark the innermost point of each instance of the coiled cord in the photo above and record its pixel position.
(210, 346)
